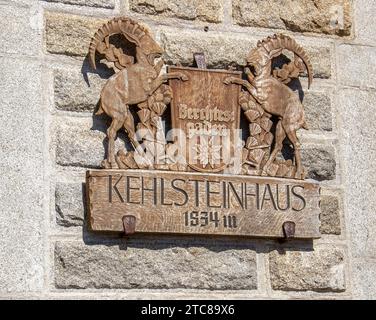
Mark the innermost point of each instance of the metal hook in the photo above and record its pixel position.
(129, 224)
(288, 229)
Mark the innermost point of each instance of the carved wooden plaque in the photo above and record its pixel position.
(205, 113)
(204, 176)
(166, 202)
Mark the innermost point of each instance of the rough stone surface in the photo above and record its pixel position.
(360, 66)
(321, 61)
(358, 151)
(73, 93)
(70, 34)
(152, 266)
(364, 284)
(330, 215)
(318, 111)
(222, 50)
(80, 141)
(357, 143)
(365, 12)
(69, 204)
(109, 4)
(24, 3)
(20, 31)
(320, 270)
(209, 10)
(320, 162)
(22, 175)
(78, 145)
(357, 139)
(329, 16)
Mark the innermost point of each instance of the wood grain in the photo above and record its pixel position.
(196, 203)
(206, 102)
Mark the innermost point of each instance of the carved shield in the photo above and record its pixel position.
(205, 117)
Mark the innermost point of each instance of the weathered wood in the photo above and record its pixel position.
(270, 93)
(282, 170)
(254, 129)
(194, 94)
(251, 142)
(206, 113)
(193, 203)
(266, 123)
(252, 115)
(137, 80)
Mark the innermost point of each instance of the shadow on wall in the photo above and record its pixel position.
(101, 70)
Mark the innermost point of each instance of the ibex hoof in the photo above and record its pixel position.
(105, 164)
(183, 77)
(109, 165)
(300, 175)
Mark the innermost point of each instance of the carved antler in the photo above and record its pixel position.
(129, 28)
(275, 44)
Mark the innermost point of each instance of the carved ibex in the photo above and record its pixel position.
(275, 97)
(133, 84)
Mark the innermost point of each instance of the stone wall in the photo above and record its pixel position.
(49, 137)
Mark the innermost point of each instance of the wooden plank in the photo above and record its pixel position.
(196, 203)
(205, 112)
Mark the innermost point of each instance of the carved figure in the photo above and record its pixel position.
(289, 71)
(133, 84)
(274, 96)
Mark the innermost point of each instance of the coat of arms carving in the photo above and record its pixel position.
(193, 167)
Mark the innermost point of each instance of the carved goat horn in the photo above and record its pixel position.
(282, 41)
(132, 30)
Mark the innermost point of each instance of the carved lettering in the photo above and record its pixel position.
(180, 190)
(268, 195)
(163, 196)
(129, 188)
(228, 204)
(255, 195)
(205, 114)
(114, 187)
(153, 189)
(284, 196)
(210, 192)
(205, 193)
(300, 197)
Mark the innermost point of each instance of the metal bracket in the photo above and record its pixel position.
(129, 224)
(200, 60)
(288, 230)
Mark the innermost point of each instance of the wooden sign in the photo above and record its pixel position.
(192, 203)
(200, 177)
(205, 113)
